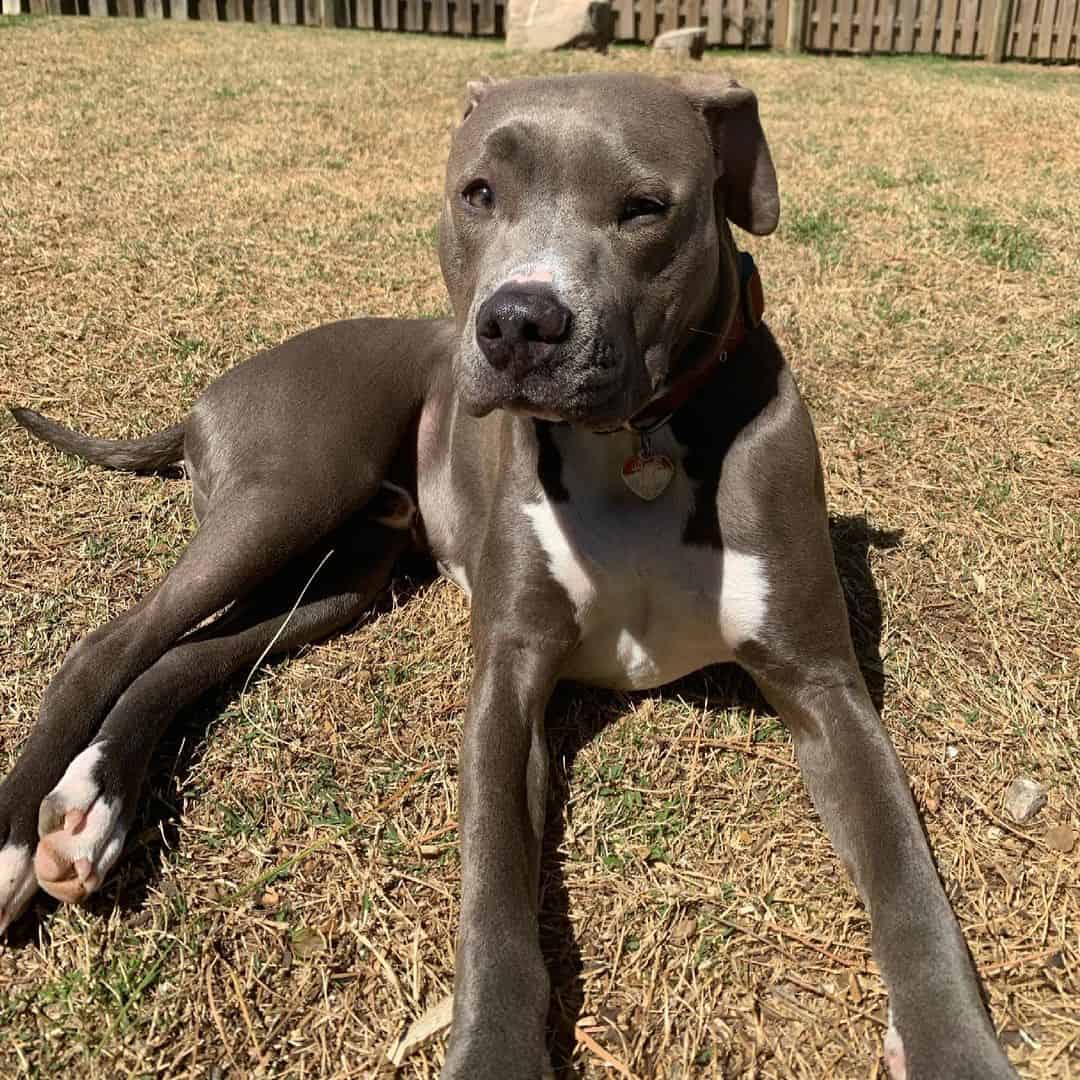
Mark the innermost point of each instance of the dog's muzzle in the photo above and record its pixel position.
(520, 328)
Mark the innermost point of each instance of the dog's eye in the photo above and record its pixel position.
(479, 195)
(642, 206)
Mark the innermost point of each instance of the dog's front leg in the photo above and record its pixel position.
(501, 985)
(939, 1027)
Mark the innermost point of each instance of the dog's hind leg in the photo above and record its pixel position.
(246, 538)
(83, 821)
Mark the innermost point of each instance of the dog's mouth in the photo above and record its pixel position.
(595, 386)
(593, 398)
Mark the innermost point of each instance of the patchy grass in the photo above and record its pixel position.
(820, 229)
(173, 197)
(1012, 247)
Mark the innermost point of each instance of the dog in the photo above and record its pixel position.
(606, 450)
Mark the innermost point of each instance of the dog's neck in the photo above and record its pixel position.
(706, 357)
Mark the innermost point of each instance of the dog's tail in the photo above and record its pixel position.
(133, 455)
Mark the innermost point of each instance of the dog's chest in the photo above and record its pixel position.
(650, 607)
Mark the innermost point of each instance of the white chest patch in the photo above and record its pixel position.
(565, 563)
(650, 607)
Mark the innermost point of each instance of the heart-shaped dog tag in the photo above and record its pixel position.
(647, 475)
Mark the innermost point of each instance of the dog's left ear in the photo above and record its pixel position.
(476, 90)
(743, 163)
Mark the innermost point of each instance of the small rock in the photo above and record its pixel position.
(688, 41)
(1024, 799)
(269, 899)
(952, 752)
(1061, 838)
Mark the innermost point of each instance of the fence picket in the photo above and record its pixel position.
(485, 17)
(905, 37)
(763, 26)
(969, 27)
(1045, 29)
(946, 42)
(735, 23)
(1023, 27)
(1067, 30)
(823, 24)
(781, 25)
(714, 22)
(843, 22)
(462, 17)
(925, 26)
(647, 20)
(863, 38)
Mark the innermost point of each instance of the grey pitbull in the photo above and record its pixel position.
(606, 450)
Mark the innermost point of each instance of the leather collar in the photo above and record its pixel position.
(748, 315)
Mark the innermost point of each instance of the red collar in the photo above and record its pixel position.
(748, 315)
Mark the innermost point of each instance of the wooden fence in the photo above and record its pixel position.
(992, 29)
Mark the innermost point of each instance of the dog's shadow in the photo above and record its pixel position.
(577, 716)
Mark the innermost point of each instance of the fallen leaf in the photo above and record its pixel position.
(1061, 838)
(307, 943)
(423, 1029)
(684, 929)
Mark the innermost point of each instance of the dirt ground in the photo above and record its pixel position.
(172, 198)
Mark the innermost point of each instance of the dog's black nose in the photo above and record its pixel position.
(521, 325)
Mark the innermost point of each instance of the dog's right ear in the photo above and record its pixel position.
(476, 90)
(743, 163)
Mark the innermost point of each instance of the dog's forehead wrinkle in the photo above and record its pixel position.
(628, 139)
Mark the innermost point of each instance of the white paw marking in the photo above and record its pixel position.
(17, 882)
(77, 787)
(895, 1060)
(744, 595)
(82, 834)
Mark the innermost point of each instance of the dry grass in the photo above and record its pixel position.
(172, 197)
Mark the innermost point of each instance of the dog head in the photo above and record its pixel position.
(584, 235)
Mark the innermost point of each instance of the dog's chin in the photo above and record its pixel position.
(590, 403)
(574, 409)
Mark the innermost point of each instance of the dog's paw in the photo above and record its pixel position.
(17, 881)
(81, 832)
